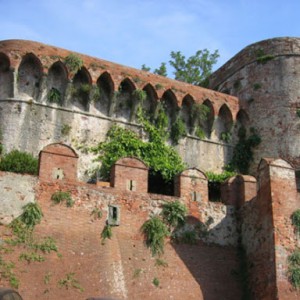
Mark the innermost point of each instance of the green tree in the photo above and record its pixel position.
(145, 68)
(195, 69)
(162, 70)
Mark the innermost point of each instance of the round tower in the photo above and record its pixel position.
(265, 76)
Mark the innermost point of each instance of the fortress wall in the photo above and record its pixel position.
(193, 271)
(32, 126)
(265, 78)
(44, 101)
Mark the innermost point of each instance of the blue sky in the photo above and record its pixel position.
(136, 32)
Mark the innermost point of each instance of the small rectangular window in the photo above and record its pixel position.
(131, 185)
(113, 215)
(196, 196)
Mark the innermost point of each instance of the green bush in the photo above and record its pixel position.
(296, 219)
(19, 162)
(60, 196)
(174, 213)
(178, 130)
(294, 268)
(243, 150)
(106, 233)
(32, 215)
(54, 96)
(155, 232)
(73, 62)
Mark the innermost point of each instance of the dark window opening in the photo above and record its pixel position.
(113, 215)
(157, 185)
(214, 191)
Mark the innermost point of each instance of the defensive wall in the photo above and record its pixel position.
(254, 213)
(96, 96)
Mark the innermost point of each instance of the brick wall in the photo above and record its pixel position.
(130, 174)
(58, 162)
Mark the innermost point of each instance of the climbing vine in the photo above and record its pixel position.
(178, 130)
(243, 150)
(121, 142)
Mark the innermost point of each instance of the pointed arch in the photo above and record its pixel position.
(105, 87)
(207, 118)
(6, 77)
(81, 89)
(149, 105)
(57, 81)
(187, 112)
(29, 76)
(225, 122)
(124, 101)
(242, 118)
(170, 104)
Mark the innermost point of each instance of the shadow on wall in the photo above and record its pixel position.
(214, 267)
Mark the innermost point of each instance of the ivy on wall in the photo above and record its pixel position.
(159, 157)
(243, 150)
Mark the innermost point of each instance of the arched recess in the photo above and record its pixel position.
(124, 100)
(187, 112)
(150, 103)
(206, 117)
(6, 77)
(81, 89)
(224, 124)
(170, 106)
(242, 122)
(57, 81)
(105, 86)
(29, 76)
(242, 118)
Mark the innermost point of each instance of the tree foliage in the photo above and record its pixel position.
(194, 69)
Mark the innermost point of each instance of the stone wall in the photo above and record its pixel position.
(44, 101)
(16, 191)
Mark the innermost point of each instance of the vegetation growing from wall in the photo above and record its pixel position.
(61, 196)
(70, 282)
(32, 215)
(214, 183)
(161, 158)
(54, 96)
(73, 63)
(106, 233)
(140, 95)
(262, 57)
(178, 130)
(158, 227)
(23, 235)
(19, 162)
(294, 268)
(243, 150)
(174, 213)
(155, 232)
(296, 220)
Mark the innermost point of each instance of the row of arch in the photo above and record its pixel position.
(105, 98)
